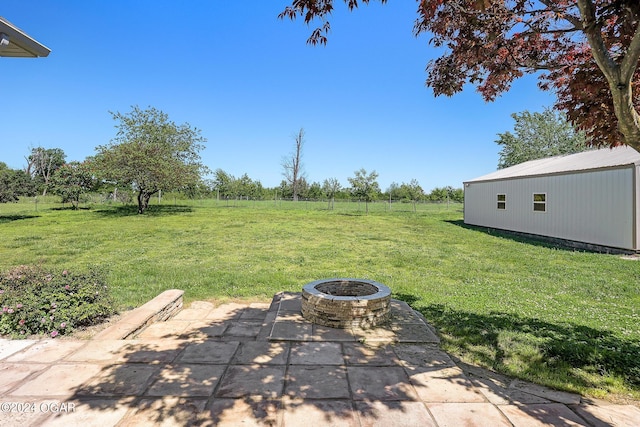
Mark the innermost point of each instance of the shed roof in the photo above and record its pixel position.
(16, 43)
(594, 159)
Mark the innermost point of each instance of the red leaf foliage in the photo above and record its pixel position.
(491, 43)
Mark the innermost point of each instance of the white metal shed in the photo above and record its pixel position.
(591, 198)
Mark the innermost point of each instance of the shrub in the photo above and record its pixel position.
(34, 301)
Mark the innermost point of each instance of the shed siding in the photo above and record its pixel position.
(594, 207)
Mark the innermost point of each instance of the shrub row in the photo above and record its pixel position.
(35, 301)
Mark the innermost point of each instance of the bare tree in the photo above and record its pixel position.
(292, 165)
(42, 163)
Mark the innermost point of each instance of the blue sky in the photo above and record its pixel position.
(249, 82)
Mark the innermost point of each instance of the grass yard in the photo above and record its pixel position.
(565, 319)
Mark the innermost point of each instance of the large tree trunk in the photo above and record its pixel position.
(619, 74)
(143, 201)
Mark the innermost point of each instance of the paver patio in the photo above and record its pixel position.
(263, 364)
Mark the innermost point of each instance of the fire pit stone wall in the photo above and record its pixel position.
(346, 303)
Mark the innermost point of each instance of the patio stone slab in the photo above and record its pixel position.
(128, 380)
(60, 380)
(380, 383)
(25, 412)
(192, 314)
(467, 414)
(209, 352)
(99, 351)
(393, 414)
(291, 331)
(539, 415)
(423, 355)
(444, 385)
(9, 347)
(150, 351)
(203, 329)
(335, 413)
(316, 353)
(167, 412)
(324, 333)
(243, 328)
(261, 352)
(45, 351)
(317, 382)
(168, 329)
(546, 393)
(370, 355)
(91, 413)
(12, 374)
(186, 380)
(248, 412)
(606, 415)
(253, 380)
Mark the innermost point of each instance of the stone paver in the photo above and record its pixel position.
(317, 382)
(263, 364)
(247, 412)
(541, 414)
(381, 383)
(252, 380)
(316, 353)
(186, 380)
(467, 414)
(312, 413)
(394, 414)
(45, 351)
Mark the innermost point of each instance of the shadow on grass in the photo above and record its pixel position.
(154, 210)
(10, 218)
(542, 241)
(536, 346)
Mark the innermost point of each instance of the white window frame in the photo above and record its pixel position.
(540, 203)
(502, 202)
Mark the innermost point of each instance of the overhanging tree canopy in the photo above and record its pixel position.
(586, 50)
(151, 153)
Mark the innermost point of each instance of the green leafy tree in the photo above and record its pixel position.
(414, 192)
(315, 191)
(364, 186)
(72, 180)
(331, 187)
(14, 183)
(538, 135)
(150, 153)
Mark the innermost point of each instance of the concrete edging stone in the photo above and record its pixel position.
(161, 308)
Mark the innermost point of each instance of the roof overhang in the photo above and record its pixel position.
(16, 43)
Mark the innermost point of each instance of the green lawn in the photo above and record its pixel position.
(566, 319)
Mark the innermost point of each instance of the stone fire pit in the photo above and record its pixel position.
(346, 303)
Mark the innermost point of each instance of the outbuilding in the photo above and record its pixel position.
(589, 199)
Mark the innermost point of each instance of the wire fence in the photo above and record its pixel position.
(40, 203)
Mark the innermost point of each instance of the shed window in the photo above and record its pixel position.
(502, 201)
(540, 202)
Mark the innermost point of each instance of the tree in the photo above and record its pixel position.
(292, 165)
(72, 180)
(587, 51)
(538, 135)
(364, 186)
(414, 192)
(151, 153)
(42, 163)
(331, 186)
(14, 183)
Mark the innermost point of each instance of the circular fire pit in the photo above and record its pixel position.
(346, 303)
